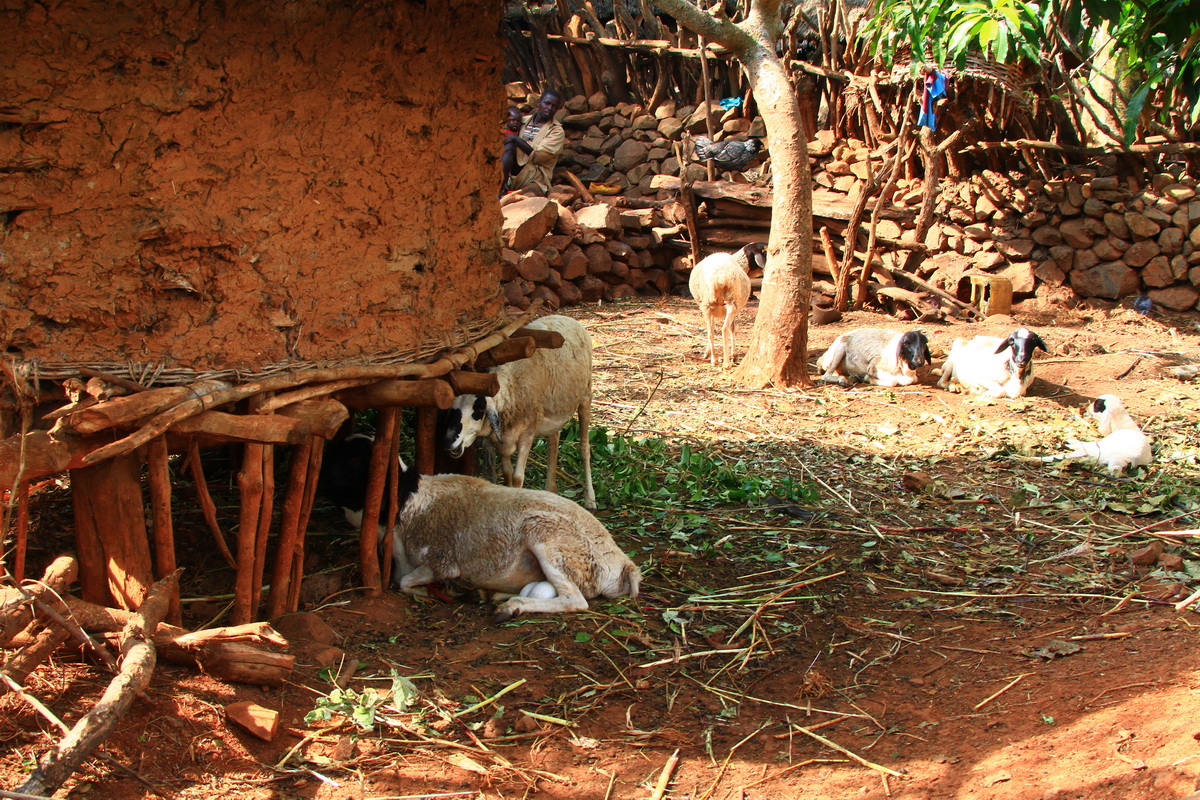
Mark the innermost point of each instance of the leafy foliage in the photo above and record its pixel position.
(362, 708)
(651, 471)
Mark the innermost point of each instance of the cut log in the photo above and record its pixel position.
(132, 410)
(508, 350)
(221, 427)
(551, 340)
(44, 454)
(323, 415)
(479, 383)
(430, 392)
(137, 665)
(16, 614)
(159, 478)
(110, 532)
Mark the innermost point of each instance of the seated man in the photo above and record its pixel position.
(538, 146)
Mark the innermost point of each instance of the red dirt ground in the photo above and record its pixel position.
(923, 642)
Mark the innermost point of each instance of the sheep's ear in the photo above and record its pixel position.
(493, 418)
(479, 407)
(928, 355)
(1098, 405)
(1007, 343)
(1037, 342)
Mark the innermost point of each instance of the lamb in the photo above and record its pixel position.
(992, 366)
(720, 284)
(537, 397)
(875, 355)
(544, 549)
(1124, 444)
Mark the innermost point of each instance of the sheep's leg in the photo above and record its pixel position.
(712, 329)
(727, 333)
(585, 450)
(518, 474)
(419, 577)
(552, 462)
(569, 598)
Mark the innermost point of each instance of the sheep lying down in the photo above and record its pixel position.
(991, 366)
(874, 355)
(1124, 444)
(546, 550)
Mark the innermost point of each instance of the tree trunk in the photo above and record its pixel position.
(778, 346)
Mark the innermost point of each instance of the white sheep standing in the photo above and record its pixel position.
(875, 355)
(992, 366)
(1124, 444)
(545, 549)
(538, 396)
(720, 284)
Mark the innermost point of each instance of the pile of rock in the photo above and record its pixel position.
(1099, 236)
(564, 256)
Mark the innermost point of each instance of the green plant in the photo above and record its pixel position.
(362, 708)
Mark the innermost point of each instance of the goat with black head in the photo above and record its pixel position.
(875, 355)
(991, 366)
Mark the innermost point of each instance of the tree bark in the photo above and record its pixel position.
(778, 346)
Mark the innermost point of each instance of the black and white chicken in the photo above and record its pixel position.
(731, 154)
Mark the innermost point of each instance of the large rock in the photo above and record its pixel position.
(629, 154)
(599, 217)
(1141, 226)
(1047, 236)
(1157, 272)
(599, 259)
(534, 266)
(1086, 259)
(1113, 280)
(1050, 272)
(1116, 225)
(1110, 249)
(1176, 298)
(1170, 241)
(1075, 233)
(1016, 249)
(1140, 253)
(1021, 277)
(526, 222)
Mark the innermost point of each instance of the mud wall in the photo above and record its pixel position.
(221, 185)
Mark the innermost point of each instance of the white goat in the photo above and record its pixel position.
(1124, 444)
(537, 397)
(720, 284)
(992, 366)
(874, 355)
(545, 549)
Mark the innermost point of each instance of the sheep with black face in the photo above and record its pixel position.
(875, 355)
(538, 396)
(991, 366)
(1124, 444)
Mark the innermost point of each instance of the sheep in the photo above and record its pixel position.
(540, 550)
(720, 285)
(1124, 444)
(537, 397)
(875, 355)
(546, 550)
(992, 366)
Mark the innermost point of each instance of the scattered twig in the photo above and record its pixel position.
(994, 695)
(664, 777)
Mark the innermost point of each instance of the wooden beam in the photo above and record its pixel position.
(430, 392)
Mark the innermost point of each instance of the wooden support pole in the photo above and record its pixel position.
(485, 384)
(207, 507)
(250, 485)
(110, 532)
(506, 351)
(289, 529)
(383, 394)
(368, 535)
(138, 658)
(393, 497)
(545, 339)
(159, 478)
(222, 427)
(707, 87)
(310, 491)
(426, 442)
(18, 565)
(264, 525)
(688, 198)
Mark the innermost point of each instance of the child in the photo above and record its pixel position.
(512, 128)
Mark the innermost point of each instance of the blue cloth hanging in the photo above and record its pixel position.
(731, 102)
(935, 87)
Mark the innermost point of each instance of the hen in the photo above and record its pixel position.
(730, 154)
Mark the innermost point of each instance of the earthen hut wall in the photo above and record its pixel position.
(227, 185)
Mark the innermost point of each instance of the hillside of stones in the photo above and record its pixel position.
(1084, 232)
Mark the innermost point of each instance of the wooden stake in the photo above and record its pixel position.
(250, 485)
(393, 494)
(426, 441)
(264, 525)
(368, 536)
(18, 566)
(159, 478)
(207, 507)
(289, 529)
(310, 491)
